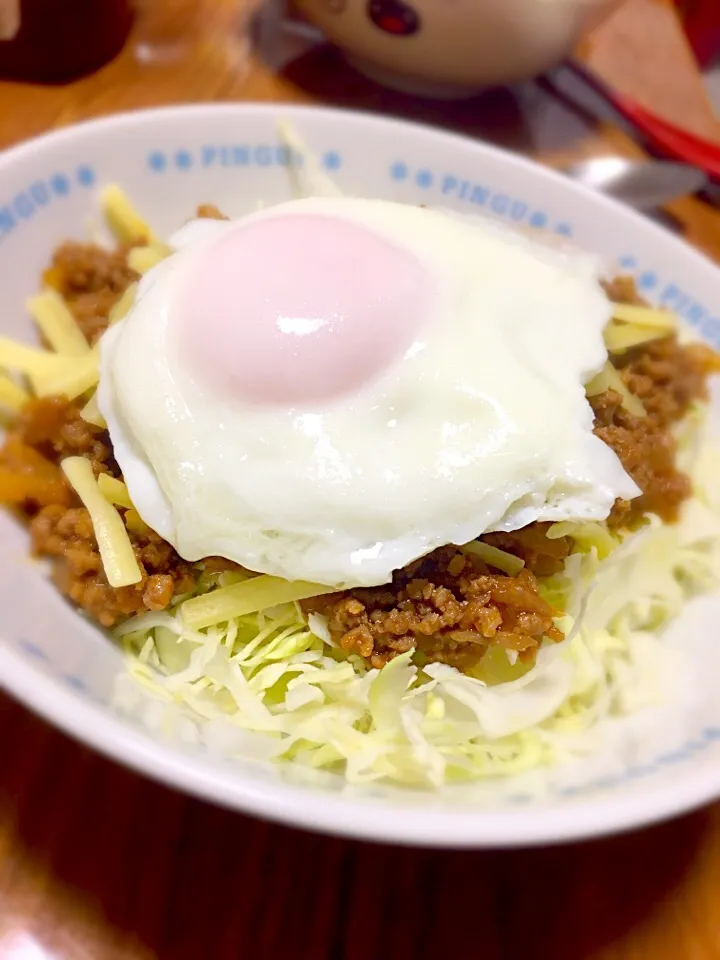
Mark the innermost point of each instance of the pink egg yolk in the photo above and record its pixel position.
(300, 308)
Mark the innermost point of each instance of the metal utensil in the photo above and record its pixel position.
(642, 185)
(672, 140)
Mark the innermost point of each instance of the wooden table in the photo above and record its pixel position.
(98, 863)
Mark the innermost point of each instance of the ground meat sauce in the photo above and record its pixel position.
(54, 428)
(208, 211)
(66, 535)
(449, 606)
(669, 378)
(47, 431)
(91, 280)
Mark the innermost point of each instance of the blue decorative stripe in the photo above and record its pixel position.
(85, 176)
(399, 171)
(183, 160)
(157, 161)
(647, 280)
(233, 155)
(32, 649)
(60, 184)
(424, 179)
(332, 160)
(37, 195)
(450, 186)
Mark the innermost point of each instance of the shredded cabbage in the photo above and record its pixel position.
(270, 685)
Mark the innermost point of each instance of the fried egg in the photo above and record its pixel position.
(329, 389)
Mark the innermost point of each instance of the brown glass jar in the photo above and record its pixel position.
(53, 41)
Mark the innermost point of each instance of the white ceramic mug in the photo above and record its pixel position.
(453, 46)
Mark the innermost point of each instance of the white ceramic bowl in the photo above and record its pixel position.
(169, 160)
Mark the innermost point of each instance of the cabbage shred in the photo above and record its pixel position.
(274, 673)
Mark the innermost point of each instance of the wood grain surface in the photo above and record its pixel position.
(97, 863)
(640, 51)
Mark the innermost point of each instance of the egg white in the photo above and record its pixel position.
(484, 425)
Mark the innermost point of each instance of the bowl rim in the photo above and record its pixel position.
(586, 817)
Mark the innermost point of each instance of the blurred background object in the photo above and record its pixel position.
(584, 88)
(644, 185)
(453, 49)
(629, 52)
(702, 24)
(615, 73)
(53, 41)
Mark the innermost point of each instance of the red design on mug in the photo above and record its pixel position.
(394, 16)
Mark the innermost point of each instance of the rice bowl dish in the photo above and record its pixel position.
(430, 549)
